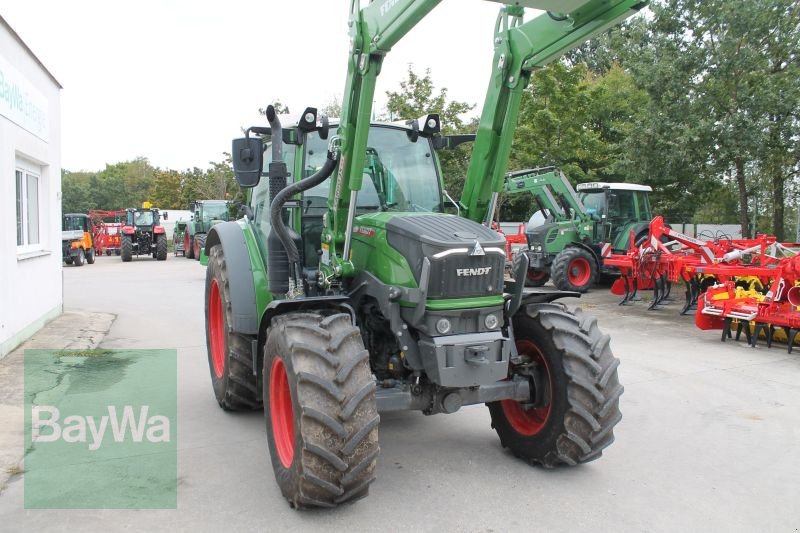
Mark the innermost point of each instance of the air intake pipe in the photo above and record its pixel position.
(284, 257)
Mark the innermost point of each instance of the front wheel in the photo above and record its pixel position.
(90, 256)
(536, 278)
(575, 416)
(79, 258)
(574, 269)
(322, 419)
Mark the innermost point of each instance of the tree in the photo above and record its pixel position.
(418, 97)
(722, 77)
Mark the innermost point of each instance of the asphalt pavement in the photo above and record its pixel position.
(708, 440)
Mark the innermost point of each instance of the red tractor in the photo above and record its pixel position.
(143, 235)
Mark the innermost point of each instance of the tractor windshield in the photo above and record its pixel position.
(73, 223)
(215, 211)
(143, 218)
(620, 205)
(399, 175)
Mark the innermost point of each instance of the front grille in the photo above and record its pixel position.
(445, 281)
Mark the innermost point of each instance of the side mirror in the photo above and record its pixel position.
(248, 160)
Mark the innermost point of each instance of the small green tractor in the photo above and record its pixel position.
(576, 230)
(205, 215)
(143, 234)
(346, 290)
(179, 239)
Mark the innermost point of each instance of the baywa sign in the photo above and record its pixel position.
(92, 430)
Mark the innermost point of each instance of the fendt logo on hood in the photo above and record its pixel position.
(482, 271)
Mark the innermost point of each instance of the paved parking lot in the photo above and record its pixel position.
(708, 441)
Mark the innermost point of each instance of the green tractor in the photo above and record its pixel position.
(143, 234)
(179, 240)
(576, 230)
(205, 215)
(346, 290)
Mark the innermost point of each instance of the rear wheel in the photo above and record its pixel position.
(322, 420)
(161, 247)
(575, 419)
(90, 256)
(126, 248)
(230, 359)
(188, 246)
(199, 244)
(574, 269)
(68, 260)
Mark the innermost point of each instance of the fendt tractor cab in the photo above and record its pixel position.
(143, 234)
(77, 244)
(205, 215)
(347, 290)
(571, 232)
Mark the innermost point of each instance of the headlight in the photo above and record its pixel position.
(443, 326)
(490, 321)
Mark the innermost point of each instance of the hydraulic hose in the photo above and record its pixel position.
(277, 206)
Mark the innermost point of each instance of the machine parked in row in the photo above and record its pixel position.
(143, 234)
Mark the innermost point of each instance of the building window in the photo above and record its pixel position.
(28, 216)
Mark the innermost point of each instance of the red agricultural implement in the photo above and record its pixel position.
(106, 230)
(754, 311)
(669, 256)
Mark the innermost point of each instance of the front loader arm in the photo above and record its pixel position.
(551, 190)
(373, 31)
(519, 49)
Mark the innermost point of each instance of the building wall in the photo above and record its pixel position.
(31, 291)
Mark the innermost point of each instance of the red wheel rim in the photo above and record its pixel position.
(280, 412)
(529, 422)
(185, 242)
(197, 249)
(216, 330)
(579, 271)
(536, 275)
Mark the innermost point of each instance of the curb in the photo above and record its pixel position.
(72, 330)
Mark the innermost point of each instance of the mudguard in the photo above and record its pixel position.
(240, 276)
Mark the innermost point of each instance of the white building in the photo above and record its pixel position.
(31, 291)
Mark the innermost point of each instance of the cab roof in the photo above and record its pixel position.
(600, 185)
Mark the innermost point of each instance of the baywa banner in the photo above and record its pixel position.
(100, 429)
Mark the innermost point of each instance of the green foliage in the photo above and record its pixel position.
(418, 97)
(130, 183)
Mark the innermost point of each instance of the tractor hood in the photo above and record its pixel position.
(466, 259)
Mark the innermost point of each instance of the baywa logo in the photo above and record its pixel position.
(101, 429)
(46, 426)
(481, 271)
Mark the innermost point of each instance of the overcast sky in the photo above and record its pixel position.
(174, 80)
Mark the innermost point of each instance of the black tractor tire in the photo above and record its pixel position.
(79, 258)
(582, 405)
(126, 248)
(230, 359)
(68, 260)
(161, 247)
(188, 252)
(200, 242)
(90, 256)
(574, 269)
(320, 408)
(536, 278)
